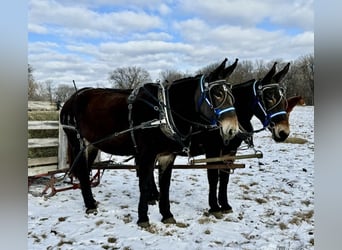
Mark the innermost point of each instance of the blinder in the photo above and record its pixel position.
(219, 89)
(265, 94)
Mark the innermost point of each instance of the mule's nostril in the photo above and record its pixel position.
(283, 135)
(233, 132)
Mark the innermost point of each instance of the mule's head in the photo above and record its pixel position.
(272, 103)
(215, 101)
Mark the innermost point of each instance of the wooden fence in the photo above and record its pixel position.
(42, 165)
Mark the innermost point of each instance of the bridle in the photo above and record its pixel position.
(206, 89)
(258, 91)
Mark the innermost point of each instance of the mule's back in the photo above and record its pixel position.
(97, 114)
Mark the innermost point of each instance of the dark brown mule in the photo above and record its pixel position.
(263, 98)
(145, 122)
(293, 101)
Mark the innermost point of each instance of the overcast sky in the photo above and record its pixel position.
(84, 40)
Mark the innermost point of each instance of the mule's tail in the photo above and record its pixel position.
(80, 153)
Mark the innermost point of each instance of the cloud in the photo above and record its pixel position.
(85, 40)
(36, 28)
(246, 13)
(80, 21)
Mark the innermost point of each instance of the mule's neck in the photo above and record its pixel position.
(245, 101)
(182, 104)
(181, 98)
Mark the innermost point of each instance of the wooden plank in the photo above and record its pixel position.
(42, 161)
(227, 157)
(34, 171)
(109, 165)
(43, 142)
(43, 125)
(62, 149)
(211, 166)
(41, 105)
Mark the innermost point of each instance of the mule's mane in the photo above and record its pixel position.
(185, 79)
(113, 90)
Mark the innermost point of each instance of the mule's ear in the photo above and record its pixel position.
(229, 70)
(214, 75)
(268, 77)
(281, 74)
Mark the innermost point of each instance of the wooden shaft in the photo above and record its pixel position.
(226, 158)
(178, 166)
(109, 165)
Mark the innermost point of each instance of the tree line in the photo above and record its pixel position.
(298, 81)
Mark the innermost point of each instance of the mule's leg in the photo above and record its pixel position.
(146, 166)
(164, 202)
(213, 181)
(223, 184)
(81, 172)
(165, 161)
(79, 169)
(223, 194)
(154, 193)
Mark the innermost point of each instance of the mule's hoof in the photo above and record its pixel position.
(227, 210)
(91, 211)
(217, 214)
(144, 224)
(170, 220)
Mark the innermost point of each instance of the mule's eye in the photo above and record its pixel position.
(270, 99)
(219, 95)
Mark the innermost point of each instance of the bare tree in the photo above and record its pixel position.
(63, 92)
(207, 69)
(244, 71)
(307, 67)
(300, 78)
(169, 76)
(49, 89)
(32, 85)
(128, 77)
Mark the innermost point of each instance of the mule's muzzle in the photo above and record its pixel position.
(228, 132)
(280, 135)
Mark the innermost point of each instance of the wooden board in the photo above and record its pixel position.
(43, 125)
(34, 171)
(109, 165)
(42, 161)
(42, 142)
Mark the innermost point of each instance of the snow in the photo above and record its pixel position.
(272, 200)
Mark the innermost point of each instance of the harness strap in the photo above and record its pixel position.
(130, 107)
(131, 99)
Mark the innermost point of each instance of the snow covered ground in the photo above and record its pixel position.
(272, 200)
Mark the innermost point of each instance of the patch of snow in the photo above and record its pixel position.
(272, 200)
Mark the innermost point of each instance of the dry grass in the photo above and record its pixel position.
(295, 140)
(299, 217)
(43, 115)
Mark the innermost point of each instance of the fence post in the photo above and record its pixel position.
(62, 148)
